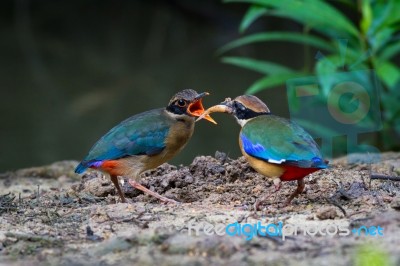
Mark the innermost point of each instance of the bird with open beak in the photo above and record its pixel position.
(145, 141)
(274, 146)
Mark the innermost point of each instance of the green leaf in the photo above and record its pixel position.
(389, 73)
(386, 13)
(262, 67)
(390, 50)
(368, 255)
(381, 38)
(270, 82)
(278, 36)
(349, 3)
(390, 104)
(316, 14)
(253, 13)
(317, 129)
(394, 12)
(327, 65)
(366, 19)
(327, 68)
(324, 69)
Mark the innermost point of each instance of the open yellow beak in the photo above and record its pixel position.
(196, 108)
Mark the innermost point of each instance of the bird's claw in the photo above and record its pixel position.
(169, 201)
(163, 199)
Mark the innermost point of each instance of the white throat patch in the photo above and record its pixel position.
(241, 122)
(180, 117)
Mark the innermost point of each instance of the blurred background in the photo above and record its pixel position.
(71, 70)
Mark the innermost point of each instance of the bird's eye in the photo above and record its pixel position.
(181, 103)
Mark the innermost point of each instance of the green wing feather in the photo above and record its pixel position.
(276, 139)
(144, 133)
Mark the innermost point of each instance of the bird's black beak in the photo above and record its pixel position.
(224, 107)
(201, 96)
(196, 108)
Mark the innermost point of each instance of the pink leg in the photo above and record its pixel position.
(300, 188)
(136, 185)
(114, 179)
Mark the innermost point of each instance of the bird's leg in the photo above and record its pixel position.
(299, 190)
(114, 179)
(277, 184)
(152, 193)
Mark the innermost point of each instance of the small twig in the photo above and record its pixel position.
(7, 198)
(335, 203)
(354, 213)
(385, 177)
(91, 236)
(359, 221)
(341, 191)
(243, 218)
(344, 194)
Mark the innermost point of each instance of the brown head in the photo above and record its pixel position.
(243, 108)
(188, 103)
(251, 103)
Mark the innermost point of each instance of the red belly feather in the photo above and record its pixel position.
(111, 166)
(296, 173)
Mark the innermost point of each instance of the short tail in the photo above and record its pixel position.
(320, 163)
(80, 168)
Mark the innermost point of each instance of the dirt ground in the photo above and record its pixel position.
(51, 216)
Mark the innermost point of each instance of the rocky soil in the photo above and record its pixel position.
(51, 216)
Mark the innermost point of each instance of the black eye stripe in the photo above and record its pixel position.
(177, 107)
(240, 106)
(242, 112)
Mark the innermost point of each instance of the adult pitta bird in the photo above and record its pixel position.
(145, 141)
(274, 146)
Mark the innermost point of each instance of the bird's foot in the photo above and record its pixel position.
(277, 184)
(256, 205)
(300, 188)
(114, 179)
(166, 200)
(259, 202)
(286, 203)
(136, 185)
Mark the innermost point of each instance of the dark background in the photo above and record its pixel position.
(71, 70)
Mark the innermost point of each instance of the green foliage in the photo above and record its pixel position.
(371, 255)
(371, 44)
(279, 36)
(263, 67)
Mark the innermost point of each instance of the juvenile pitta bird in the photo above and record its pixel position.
(145, 141)
(273, 146)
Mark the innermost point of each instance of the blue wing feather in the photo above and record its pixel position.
(141, 134)
(278, 140)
